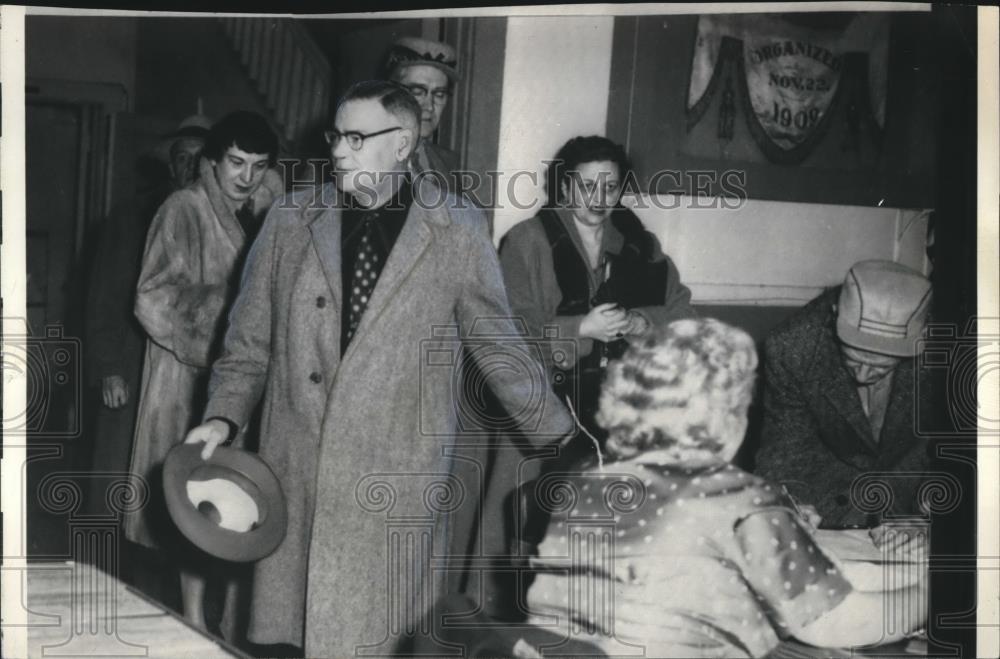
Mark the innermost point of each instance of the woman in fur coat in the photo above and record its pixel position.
(190, 273)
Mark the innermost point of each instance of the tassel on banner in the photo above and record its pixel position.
(727, 112)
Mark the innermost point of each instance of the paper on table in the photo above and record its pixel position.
(866, 566)
(849, 544)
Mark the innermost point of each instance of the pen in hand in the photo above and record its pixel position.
(808, 514)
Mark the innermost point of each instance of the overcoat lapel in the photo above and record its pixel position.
(325, 229)
(410, 246)
(612, 242)
(901, 412)
(414, 238)
(222, 211)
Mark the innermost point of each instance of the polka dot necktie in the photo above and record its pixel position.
(364, 277)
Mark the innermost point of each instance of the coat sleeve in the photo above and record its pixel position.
(789, 434)
(787, 569)
(534, 295)
(483, 296)
(178, 312)
(677, 299)
(240, 373)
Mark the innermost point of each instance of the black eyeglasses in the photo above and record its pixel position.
(420, 91)
(355, 140)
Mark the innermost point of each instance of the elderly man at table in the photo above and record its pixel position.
(841, 395)
(671, 550)
(340, 292)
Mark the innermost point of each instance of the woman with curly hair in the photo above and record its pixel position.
(674, 549)
(587, 266)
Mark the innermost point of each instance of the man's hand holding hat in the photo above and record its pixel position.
(213, 432)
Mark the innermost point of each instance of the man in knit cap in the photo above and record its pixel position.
(429, 69)
(842, 391)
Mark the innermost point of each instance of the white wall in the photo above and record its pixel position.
(555, 87)
(776, 252)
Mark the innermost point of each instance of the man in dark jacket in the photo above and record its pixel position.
(115, 341)
(842, 391)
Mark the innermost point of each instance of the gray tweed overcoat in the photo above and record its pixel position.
(361, 441)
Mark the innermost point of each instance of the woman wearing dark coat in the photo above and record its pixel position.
(587, 266)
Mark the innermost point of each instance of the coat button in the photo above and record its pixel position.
(841, 500)
(321, 302)
(315, 377)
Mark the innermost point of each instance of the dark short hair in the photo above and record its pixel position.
(576, 152)
(394, 97)
(247, 131)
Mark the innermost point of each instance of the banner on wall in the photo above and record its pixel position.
(781, 87)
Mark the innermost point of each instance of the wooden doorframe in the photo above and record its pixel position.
(471, 125)
(97, 104)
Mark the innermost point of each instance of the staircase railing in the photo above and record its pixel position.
(288, 69)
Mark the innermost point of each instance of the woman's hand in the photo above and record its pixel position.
(905, 541)
(810, 516)
(637, 324)
(605, 322)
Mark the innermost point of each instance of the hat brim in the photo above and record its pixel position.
(183, 463)
(449, 71)
(884, 345)
(188, 131)
(162, 149)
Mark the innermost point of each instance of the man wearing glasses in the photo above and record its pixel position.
(429, 69)
(331, 325)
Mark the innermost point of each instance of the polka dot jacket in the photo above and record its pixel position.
(646, 558)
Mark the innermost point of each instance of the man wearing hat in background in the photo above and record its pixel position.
(842, 391)
(114, 339)
(194, 252)
(429, 69)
